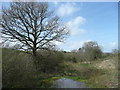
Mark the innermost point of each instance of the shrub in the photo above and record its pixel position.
(49, 61)
(17, 69)
(91, 50)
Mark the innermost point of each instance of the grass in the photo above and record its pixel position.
(47, 83)
(101, 73)
(93, 75)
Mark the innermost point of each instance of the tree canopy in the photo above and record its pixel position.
(32, 25)
(91, 49)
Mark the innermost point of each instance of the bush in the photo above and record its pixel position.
(49, 61)
(91, 50)
(17, 69)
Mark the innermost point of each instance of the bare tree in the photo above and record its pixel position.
(92, 50)
(32, 24)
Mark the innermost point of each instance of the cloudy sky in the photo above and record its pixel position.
(88, 21)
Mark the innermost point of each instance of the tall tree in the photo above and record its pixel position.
(32, 24)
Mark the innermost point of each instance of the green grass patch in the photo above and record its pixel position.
(89, 74)
(47, 83)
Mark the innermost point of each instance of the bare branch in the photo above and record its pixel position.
(32, 24)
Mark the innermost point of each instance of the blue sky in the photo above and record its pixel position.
(88, 21)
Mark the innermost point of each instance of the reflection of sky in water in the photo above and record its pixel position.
(68, 83)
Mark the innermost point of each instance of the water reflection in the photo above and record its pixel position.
(68, 83)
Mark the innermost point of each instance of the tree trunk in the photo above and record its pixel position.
(34, 53)
(35, 59)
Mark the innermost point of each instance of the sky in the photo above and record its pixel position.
(88, 21)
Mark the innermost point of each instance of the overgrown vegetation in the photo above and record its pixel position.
(17, 69)
(34, 62)
(20, 71)
(49, 61)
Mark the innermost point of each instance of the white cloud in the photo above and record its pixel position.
(55, 2)
(71, 45)
(74, 25)
(78, 20)
(58, 43)
(110, 46)
(67, 9)
(75, 45)
(113, 45)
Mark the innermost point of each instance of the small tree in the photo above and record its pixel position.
(31, 24)
(92, 50)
